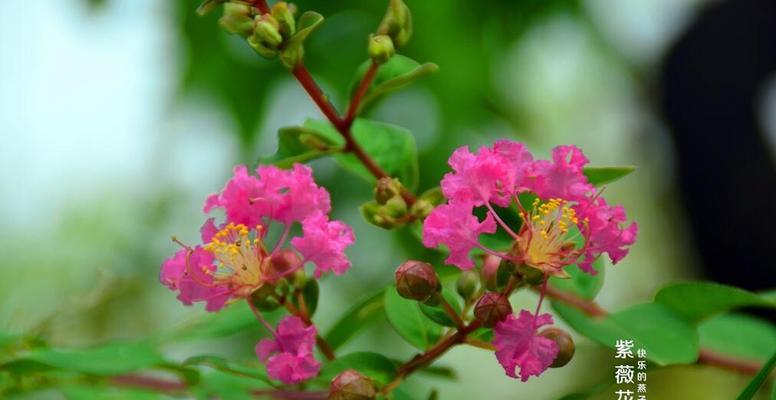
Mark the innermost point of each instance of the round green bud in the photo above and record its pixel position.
(266, 31)
(381, 48)
(467, 284)
(284, 14)
(565, 344)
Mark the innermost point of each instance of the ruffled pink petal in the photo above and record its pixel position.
(288, 354)
(454, 226)
(208, 230)
(241, 199)
(291, 369)
(192, 282)
(606, 232)
(517, 345)
(488, 176)
(323, 243)
(293, 193)
(562, 177)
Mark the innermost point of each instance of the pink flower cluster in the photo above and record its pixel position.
(289, 354)
(234, 261)
(495, 176)
(565, 209)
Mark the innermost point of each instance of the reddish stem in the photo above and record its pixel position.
(262, 6)
(355, 103)
(710, 357)
(342, 125)
(148, 382)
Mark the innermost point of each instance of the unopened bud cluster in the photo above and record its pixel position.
(389, 209)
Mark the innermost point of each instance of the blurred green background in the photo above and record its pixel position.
(118, 117)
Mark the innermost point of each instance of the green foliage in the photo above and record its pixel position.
(666, 336)
(110, 359)
(298, 144)
(758, 379)
(294, 49)
(373, 365)
(581, 283)
(405, 316)
(602, 175)
(226, 366)
(390, 146)
(438, 314)
(738, 335)
(399, 72)
(358, 317)
(698, 300)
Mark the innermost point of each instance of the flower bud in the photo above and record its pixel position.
(237, 19)
(351, 385)
(266, 35)
(531, 275)
(282, 263)
(397, 23)
(284, 14)
(381, 48)
(491, 309)
(467, 284)
(565, 345)
(386, 189)
(416, 280)
(427, 202)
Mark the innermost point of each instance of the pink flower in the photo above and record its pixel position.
(234, 259)
(562, 177)
(518, 345)
(289, 355)
(607, 233)
(488, 176)
(567, 207)
(454, 226)
(323, 243)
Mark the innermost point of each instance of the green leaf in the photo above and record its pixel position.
(739, 336)
(373, 365)
(602, 175)
(394, 75)
(759, 379)
(665, 335)
(294, 49)
(110, 359)
(355, 319)
(438, 314)
(390, 146)
(405, 316)
(581, 283)
(310, 291)
(298, 144)
(698, 300)
(224, 385)
(228, 367)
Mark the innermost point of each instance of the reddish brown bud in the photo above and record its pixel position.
(416, 280)
(351, 385)
(281, 264)
(565, 345)
(492, 308)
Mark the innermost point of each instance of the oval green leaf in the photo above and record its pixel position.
(438, 314)
(698, 300)
(355, 319)
(602, 175)
(407, 319)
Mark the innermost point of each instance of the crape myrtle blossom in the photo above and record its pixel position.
(234, 261)
(566, 205)
(564, 222)
(289, 353)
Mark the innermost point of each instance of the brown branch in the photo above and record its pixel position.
(150, 383)
(292, 395)
(343, 125)
(355, 103)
